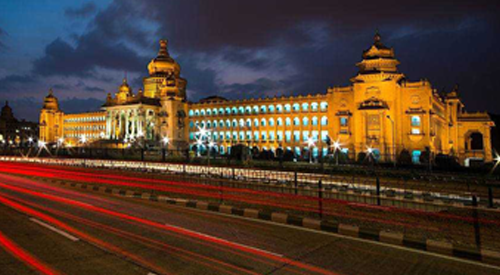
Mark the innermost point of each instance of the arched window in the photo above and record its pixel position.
(271, 108)
(197, 113)
(279, 108)
(242, 123)
(256, 122)
(228, 124)
(296, 107)
(271, 122)
(279, 122)
(221, 111)
(324, 121)
(248, 110)
(323, 106)
(314, 121)
(288, 107)
(191, 113)
(305, 121)
(263, 122)
(235, 123)
(344, 121)
(476, 141)
(314, 106)
(209, 112)
(234, 110)
(221, 123)
(263, 109)
(214, 112)
(416, 121)
(305, 107)
(241, 110)
(249, 123)
(255, 109)
(228, 111)
(296, 121)
(203, 112)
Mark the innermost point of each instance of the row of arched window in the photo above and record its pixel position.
(86, 119)
(85, 128)
(305, 121)
(263, 109)
(288, 136)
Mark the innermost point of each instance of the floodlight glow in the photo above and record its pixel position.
(30, 139)
(83, 139)
(369, 150)
(336, 145)
(42, 143)
(211, 144)
(166, 140)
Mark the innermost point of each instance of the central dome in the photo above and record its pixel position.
(163, 64)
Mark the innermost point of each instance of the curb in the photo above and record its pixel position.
(394, 238)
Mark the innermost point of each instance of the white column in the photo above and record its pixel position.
(134, 119)
(127, 115)
(108, 125)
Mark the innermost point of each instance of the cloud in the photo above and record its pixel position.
(77, 105)
(7, 83)
(3, 34)
(84, 11)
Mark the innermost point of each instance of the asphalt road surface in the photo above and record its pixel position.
(49, 229)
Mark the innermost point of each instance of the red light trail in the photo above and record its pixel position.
(149, 223)
(11, 247)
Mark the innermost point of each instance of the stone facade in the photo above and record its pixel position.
(381, 112)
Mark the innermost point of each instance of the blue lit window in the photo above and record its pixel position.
(415, 121)
(415, 156)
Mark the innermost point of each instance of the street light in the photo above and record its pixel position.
(393, 139)
(337, 148)
(310, 143)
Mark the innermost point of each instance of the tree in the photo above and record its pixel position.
(404, 158)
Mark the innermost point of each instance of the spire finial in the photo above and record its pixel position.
(377, 36)
(163, 48)
(51, 92)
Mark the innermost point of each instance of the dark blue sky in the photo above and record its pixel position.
(236, 49)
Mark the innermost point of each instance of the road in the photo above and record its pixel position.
(58, 230)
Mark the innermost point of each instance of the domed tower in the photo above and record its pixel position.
(164, 76)
(7, 113)
(379, 63)
(51, 119)
(124, 92)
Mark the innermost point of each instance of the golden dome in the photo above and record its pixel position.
(51, 102)
(163, 63)
(125, 88)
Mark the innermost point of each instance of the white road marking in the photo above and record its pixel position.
(220, 239)
(50, 227)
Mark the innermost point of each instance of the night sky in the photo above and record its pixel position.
(240, 48)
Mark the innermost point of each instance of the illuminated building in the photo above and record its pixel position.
(381, 113)
(15, 132)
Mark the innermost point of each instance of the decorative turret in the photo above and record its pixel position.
(7, 113)
(378, 60)
(164, 76)
(50, 102)
(163, 64)
(124, 92)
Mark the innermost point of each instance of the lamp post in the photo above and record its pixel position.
(310, 144)
(393, 139)
(337, 148)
